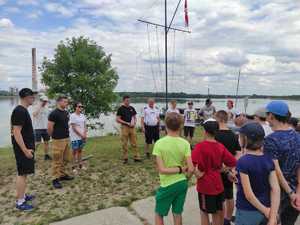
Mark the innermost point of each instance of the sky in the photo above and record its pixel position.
(258, 37)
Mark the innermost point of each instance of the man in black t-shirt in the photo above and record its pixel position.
(22, 137)
(58, 129)
(230, 141)
(126, 116)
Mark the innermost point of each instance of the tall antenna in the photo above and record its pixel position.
(237, 88)
(167, 27)
(34, 72)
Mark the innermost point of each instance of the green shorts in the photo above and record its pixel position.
(173, 195)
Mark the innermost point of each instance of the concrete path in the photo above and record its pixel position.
(143, 211)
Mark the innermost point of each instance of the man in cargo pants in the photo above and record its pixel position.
(126, 116)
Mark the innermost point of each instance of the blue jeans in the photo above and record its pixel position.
(247, 217)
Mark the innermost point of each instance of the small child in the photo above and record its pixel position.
(173, 159)
(208, 157)
(258, 194)
(230, 140)
(190, 115)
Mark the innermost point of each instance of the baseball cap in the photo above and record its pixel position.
(44, 98)
(25, 92)
(279, 108)
(252, 130)
(261, 112)
(211, 126)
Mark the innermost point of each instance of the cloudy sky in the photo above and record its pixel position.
(260, 37)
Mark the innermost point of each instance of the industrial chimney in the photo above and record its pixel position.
(34, 72)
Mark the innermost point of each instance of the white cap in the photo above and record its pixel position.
(44, 98)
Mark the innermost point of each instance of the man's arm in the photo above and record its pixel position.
(19, 139)
(75, 128)
(275, 198)
(164, 170)
(143, 124)
(50, 127)
(120, 121)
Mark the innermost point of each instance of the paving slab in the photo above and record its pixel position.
(191, 216)
(111, 216)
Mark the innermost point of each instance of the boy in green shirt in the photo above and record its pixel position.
(173, 159)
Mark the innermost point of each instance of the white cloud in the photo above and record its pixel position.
(5, 23)
(2, 2)
(27, 2)
(226, 35)
(60, 9)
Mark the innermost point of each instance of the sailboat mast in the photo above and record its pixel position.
(237, 89)
(166, 52)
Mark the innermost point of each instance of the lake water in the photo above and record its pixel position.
(110, 126)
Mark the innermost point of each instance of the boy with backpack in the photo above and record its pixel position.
(208, 157)
(173, 159)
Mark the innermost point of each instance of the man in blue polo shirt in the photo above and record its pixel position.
(283, 145)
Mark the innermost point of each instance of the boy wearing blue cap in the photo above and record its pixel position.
(283, 145)
(258, 191)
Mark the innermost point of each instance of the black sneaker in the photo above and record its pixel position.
(137, 160)
(148, 155)
(125, 161)
(47, 157)
(56, 184)
(66, 178)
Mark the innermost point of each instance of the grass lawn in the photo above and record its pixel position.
(106, 183)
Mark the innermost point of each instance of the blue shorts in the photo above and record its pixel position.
(247, 217)
(79, 144)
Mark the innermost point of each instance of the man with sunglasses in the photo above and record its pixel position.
(78, 135)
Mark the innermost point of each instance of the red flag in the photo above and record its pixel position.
(186, 13)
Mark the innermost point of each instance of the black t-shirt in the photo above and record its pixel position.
(60, 118)
(20, 117)
(126, 113)
(229, 140)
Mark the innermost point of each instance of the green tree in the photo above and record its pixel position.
(81, 70)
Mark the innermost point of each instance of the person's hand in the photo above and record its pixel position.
(198, 173)
(295, 201)
(232, 176)
(29, 153)
(266, 212)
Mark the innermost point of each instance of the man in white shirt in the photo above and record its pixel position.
(208, 110)
(150, 124)
(78, 135)
(190, 115)
(260, 116)
(40, 114)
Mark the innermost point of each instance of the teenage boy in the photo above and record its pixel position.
(226, 137)
(173, 159)
(260, 116)
(209, 156)
(258, 192)
(78, 135)
(126, 116)
(283, 145)
(22, 137)
(150, 124)
(40, 115)
(190, 115)
(58, 129)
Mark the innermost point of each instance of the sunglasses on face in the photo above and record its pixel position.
(80, 106)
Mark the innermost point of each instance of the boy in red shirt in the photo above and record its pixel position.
(209, 156)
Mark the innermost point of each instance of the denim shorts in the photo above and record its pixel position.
(247, 217)
(78, 144)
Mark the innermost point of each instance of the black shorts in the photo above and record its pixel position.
(40, 134)
(189, 131)
(211, 203)
(228, 187)
(151, 134)
(25, 166)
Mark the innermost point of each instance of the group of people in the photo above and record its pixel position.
(260, 154)
(27, 132)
